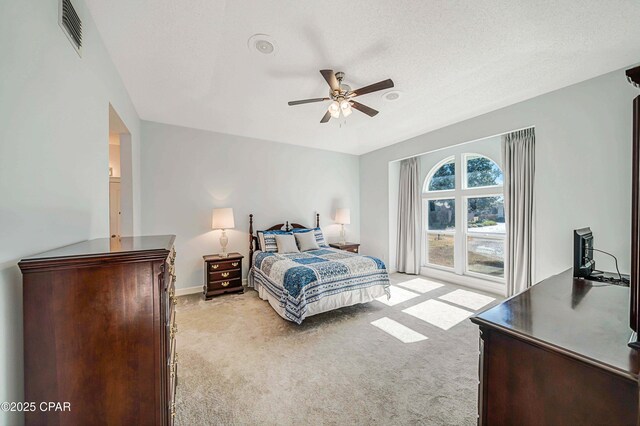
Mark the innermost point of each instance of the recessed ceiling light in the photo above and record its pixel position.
(261, 43)
(392, 95)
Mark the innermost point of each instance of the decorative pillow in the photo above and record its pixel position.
(306, 241)
(316, 231)
(267, 240)
(286, 243)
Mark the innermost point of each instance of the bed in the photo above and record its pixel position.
(298, 285)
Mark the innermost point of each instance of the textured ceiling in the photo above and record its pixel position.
(186, 62)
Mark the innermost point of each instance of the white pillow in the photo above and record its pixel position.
(286, 244)
(306, 241)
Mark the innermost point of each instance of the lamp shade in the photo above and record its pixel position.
(223, 219)
(343, 216)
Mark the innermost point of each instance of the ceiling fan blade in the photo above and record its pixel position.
(307, 101)
(331, 79)
(327, 116)
(381, 85)
(363, 108)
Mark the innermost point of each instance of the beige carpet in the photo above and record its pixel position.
(240, 363)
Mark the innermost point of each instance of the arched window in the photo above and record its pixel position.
(465, 213)
(442, 176)
(481, 172)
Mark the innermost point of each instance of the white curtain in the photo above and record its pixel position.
(408, 248)
(518, 153)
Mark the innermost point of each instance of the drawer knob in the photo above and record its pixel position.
(214, 266)
(225, 274)
(225, 284)
(234, 264)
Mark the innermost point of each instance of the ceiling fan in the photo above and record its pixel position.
(342, 96)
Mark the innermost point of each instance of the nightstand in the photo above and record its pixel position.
(352, 247)
(222, 275)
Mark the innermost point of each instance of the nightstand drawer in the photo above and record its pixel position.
(224, 275)
(352, 249)
(224, 284)
(224, 265)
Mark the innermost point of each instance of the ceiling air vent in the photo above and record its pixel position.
(71, 24)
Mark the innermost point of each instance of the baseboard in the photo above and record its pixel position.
(188, 290)
(196, 289)
(465, 280)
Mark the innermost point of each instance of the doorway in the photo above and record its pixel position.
(120, 177)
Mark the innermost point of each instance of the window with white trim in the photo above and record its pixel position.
(463, 214)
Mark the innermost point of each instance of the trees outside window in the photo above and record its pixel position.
(464, 216)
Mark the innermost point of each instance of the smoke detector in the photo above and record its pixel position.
(392, 95)
(262, 44)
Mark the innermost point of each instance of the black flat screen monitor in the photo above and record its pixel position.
(583, 263)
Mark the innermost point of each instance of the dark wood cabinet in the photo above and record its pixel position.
(222, 274)
(352, 247)
(99, 332)
(557, 354)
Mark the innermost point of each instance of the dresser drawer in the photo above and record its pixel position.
(224, 275)
(224, 284)
(223, 265)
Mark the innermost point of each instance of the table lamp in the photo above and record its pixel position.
(343, 217)
(223, 219)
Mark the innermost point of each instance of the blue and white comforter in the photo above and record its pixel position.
(298, 279)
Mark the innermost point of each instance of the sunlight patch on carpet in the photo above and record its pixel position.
(420, 285)
(399, 331)
(398, 295)
(437, 313)
(468, 299)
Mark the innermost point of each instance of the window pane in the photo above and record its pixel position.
(444, 178)
(440, 249)
(486, 215)
(482, 171)
(485, 256)
(441, 215)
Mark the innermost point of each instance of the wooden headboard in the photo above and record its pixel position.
(253, 239)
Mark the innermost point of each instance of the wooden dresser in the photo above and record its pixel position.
(99, 325)
(557, 354)
(222, 275)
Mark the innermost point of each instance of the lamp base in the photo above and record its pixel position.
(223, 242)
(343, 235)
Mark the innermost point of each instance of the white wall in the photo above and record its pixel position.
(583, 169)
(54, 130)
(188, 172)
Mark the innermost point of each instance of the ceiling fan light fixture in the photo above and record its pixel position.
(342, 96)
(334, 109)
(345, 107)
